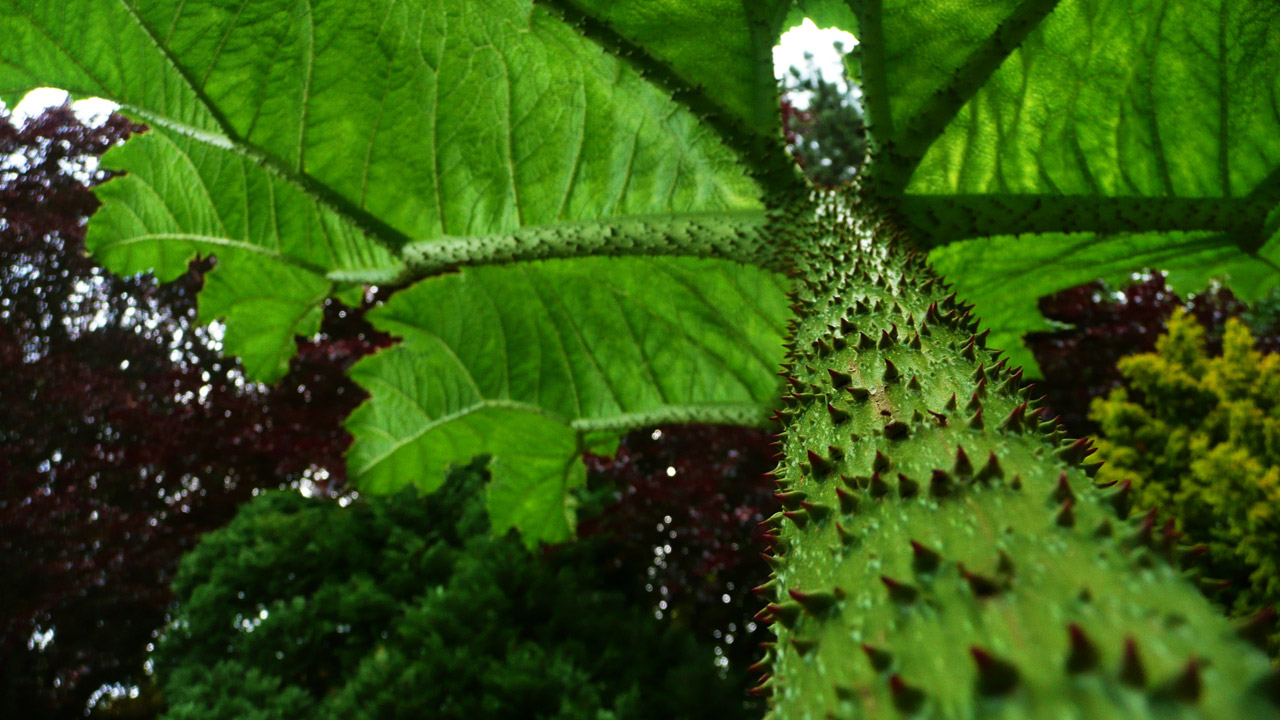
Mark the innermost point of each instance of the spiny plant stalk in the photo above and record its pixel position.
(942, 552)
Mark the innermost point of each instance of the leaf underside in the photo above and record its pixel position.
(327, 141)
(521, 361)
(1167, 107)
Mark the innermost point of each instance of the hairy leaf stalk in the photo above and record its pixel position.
(942, 552)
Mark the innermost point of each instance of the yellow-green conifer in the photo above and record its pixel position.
(1199, 439)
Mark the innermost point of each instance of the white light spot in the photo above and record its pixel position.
(807, 38)
(40, 639)
(91, 111)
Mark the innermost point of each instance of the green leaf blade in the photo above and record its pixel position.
(1171, 101)
(1113, 137)
(579, 349)
(250, 295)
(531, 483)
(276, 246)
(228, 204)
(475, 118)
(323, 139)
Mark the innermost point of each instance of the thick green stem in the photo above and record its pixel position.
(729, 235)
(943, 553)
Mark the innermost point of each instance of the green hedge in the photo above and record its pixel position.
(407, 607)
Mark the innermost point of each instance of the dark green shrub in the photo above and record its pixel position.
(407, 607)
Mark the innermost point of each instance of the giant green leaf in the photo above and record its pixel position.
(524, 361)
(327, 136)
(1148, 127)
(1168, 98)
(432, 117)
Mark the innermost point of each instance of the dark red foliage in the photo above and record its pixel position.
(124, 435)
(694, 529)
(1079, 363)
